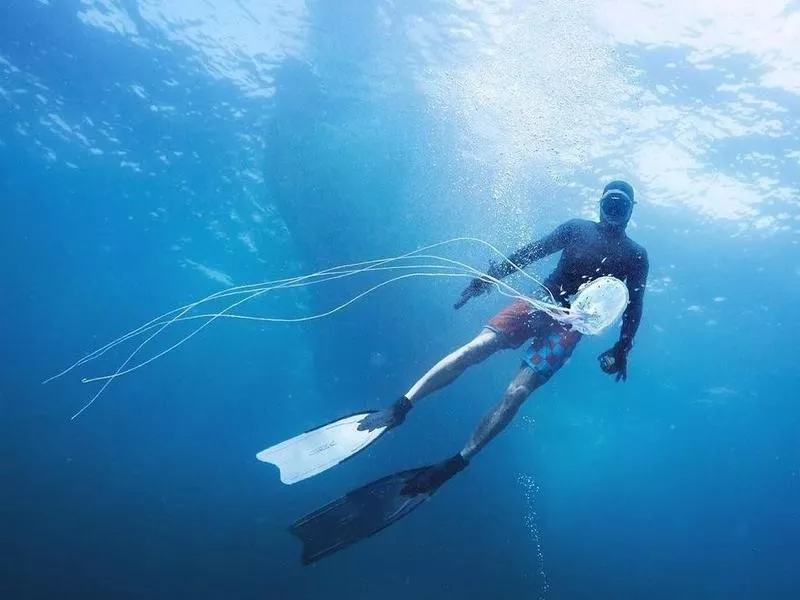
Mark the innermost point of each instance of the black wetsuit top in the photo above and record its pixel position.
(590, 250)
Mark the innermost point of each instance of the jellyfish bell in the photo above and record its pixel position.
(599, 304)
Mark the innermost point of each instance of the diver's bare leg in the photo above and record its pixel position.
(444, 372)
(493, 423)
(454, 364)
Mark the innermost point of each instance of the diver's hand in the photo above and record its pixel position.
(615, 360)
(432, 478)
(388, 417)
(476, 287)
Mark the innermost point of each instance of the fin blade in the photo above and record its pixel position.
(357, 515)
(320, 449)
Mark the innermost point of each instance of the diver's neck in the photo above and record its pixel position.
(611, 230)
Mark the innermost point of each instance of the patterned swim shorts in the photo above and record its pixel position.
(552, 343)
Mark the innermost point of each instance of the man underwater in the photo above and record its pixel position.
(588, 250)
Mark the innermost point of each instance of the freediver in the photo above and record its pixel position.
(589, 250)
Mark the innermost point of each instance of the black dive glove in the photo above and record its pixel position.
(388, 417)
(615, 360)
(478, 286)
(432, 478)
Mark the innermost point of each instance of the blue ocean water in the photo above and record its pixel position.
(154, 152)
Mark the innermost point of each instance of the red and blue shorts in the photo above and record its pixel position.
(552, 342)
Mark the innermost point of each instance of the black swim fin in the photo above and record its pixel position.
(371, 508)
(357, 515)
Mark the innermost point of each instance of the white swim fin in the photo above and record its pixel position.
(320, 449)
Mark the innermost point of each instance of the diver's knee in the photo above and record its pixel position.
(482, 346)
(476, 350)
(516, 394)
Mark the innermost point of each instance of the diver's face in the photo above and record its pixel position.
(615, 209)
